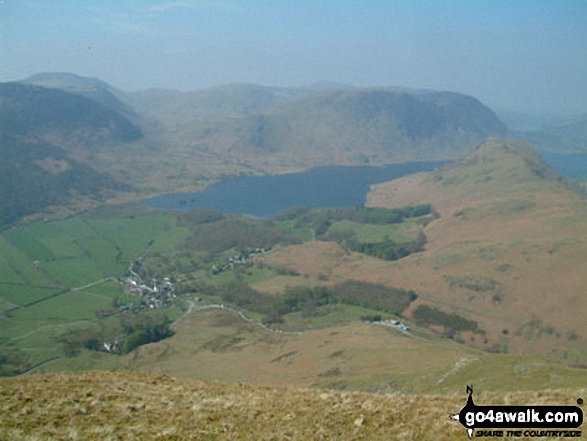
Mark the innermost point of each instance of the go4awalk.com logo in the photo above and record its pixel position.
(517, 421)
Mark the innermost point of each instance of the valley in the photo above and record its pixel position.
(405, 280)
(299, 299)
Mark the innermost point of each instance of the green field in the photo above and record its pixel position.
(62, 279)
(327, 316)
(290, 227)
(54, 276)
(78, 251)
(21, 281)
(404, 232)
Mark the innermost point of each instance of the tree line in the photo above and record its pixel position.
(308, 299)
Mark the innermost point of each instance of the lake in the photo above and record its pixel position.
(266, 196)
(570, 166)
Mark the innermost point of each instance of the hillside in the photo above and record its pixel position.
(163, 140)
(216, 344)
(176, 108)
(507, 252)
(273, 129)
(355, 126)
(508, 248)
(495, 171)
(108, 405)
(40, 112)
(45, 134)
(91, 88)
(37, 175)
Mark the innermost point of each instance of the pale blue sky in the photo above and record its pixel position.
(525, 55)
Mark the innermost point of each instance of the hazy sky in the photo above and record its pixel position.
(515, 54)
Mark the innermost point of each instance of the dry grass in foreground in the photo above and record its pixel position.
(112, 406)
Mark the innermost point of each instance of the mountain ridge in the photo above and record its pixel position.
(90, 87)
(321, 124)
(506, 251)
(501, 208)
(30, 109)
(357, 126)
(42, 132)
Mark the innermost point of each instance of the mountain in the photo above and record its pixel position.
(495, 171)
(321, 124)
(508, 248)
(175, 107)
(35, 175)
(159, 140)
(247, 128)
(507, 252)
(92, 88)
(356, 126)
(42, 132)
(35, 111)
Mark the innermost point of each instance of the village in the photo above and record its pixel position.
(242, 258)
(159, 294)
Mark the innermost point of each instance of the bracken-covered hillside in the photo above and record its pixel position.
(110, 406)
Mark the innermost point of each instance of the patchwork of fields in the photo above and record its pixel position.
(62, 280)
(65, 277)
(56, 275)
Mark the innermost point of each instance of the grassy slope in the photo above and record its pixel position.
(506, 221)
(504, 217)
(218, 345)
(133, 406)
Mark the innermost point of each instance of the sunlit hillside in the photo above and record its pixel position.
(109, 406)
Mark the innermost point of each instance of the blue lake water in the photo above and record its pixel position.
(570, 166)
(266, 196)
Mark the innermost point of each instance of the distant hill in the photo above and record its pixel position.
(175, 107)
(34, 111)
(41, 129)
(356, 126)
(247, 128)
(91, 88)
(94, 125)
(496, 170)
(569, 136)
(158, 140)
(35, 175)
(320, 124)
